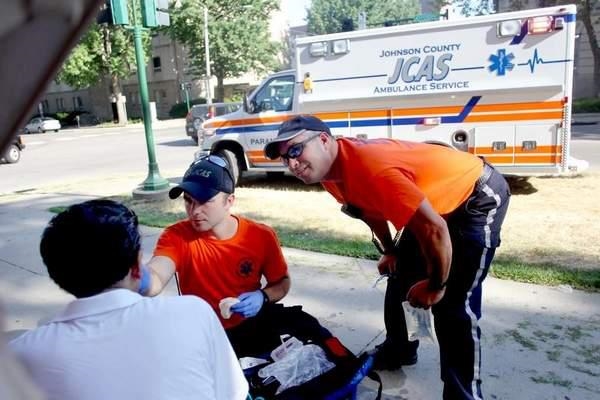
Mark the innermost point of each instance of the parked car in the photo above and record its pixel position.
(201, 112)
(13, 152)
(42, 124)
(85, 119)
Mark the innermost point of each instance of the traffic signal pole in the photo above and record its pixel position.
(154, 14)
(154, 181)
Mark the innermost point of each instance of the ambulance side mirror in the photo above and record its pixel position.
(249, 105)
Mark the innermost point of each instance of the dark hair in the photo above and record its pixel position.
(91, 246)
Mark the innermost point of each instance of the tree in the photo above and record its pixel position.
(239, 37)
(472, 8)
(103, 52)
(588, 12)
(585, 10)
(329, 16)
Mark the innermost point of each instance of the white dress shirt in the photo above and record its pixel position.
(120, 345)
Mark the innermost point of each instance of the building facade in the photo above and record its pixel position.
(169, 83)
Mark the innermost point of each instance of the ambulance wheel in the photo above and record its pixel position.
(233, 162)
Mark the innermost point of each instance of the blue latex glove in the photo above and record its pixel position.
(145, 279)
(250, 303)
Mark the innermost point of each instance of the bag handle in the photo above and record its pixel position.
(375, 376)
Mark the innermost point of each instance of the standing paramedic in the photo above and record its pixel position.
(451, 205)
(219, 255)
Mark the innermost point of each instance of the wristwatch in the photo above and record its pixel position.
(436, 285)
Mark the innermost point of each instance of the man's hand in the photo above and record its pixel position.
(250, 303)
(387, 264)
(421, 296)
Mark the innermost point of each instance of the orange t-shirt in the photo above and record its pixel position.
(388, 179)
(214, 269)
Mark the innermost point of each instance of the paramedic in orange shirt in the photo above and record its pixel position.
(451, 205)
(219, 255)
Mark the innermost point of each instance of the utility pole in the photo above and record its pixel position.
(185, 88)
(207, 57)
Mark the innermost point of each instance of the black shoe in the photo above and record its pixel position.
(386, 358)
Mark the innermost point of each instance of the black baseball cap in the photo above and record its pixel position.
(291, 128)
(204, 179)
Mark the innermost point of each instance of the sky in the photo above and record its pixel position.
(295, 11)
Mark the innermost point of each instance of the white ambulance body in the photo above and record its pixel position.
(498, 86)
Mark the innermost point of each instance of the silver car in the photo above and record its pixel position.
(200, 113)
(42, 124)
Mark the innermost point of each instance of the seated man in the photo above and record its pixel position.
(219, 255)
(112, 343)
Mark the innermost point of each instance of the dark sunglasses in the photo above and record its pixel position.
(219, 162)
(295, 150)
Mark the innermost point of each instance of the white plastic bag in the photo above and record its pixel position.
(419, 323)
(299, 365)
(287, 346)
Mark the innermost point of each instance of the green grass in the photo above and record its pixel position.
(157, 214)
(586, 105)
(551, 275)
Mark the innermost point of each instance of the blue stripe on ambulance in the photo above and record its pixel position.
(451, 119)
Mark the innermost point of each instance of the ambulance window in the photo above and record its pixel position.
(276, 95)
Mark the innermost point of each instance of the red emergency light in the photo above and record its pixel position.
(537, 25)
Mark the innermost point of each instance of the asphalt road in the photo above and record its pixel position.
(75, 155)
(585, 144)
(88, 153)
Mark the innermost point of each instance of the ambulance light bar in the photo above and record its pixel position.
(341, 46)
(537, 25)
(509, 28)
(318, 49)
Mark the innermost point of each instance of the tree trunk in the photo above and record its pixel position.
(115, 88)
(220, 89)
(585, 12)
(115, 93)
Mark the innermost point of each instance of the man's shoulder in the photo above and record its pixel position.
(254, 226)
(181, 228)
(177, 302)
(187, 311)
(31, 340)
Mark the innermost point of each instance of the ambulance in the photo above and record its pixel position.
(498, 86)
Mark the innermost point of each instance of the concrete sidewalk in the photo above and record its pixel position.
(158, 124)
(538, 342)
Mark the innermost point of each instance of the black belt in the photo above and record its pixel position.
(488, 170)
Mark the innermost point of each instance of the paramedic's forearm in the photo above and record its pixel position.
(278, 290)
(433, 236)
(161, 269)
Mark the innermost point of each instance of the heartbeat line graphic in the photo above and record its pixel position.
(535, 60)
